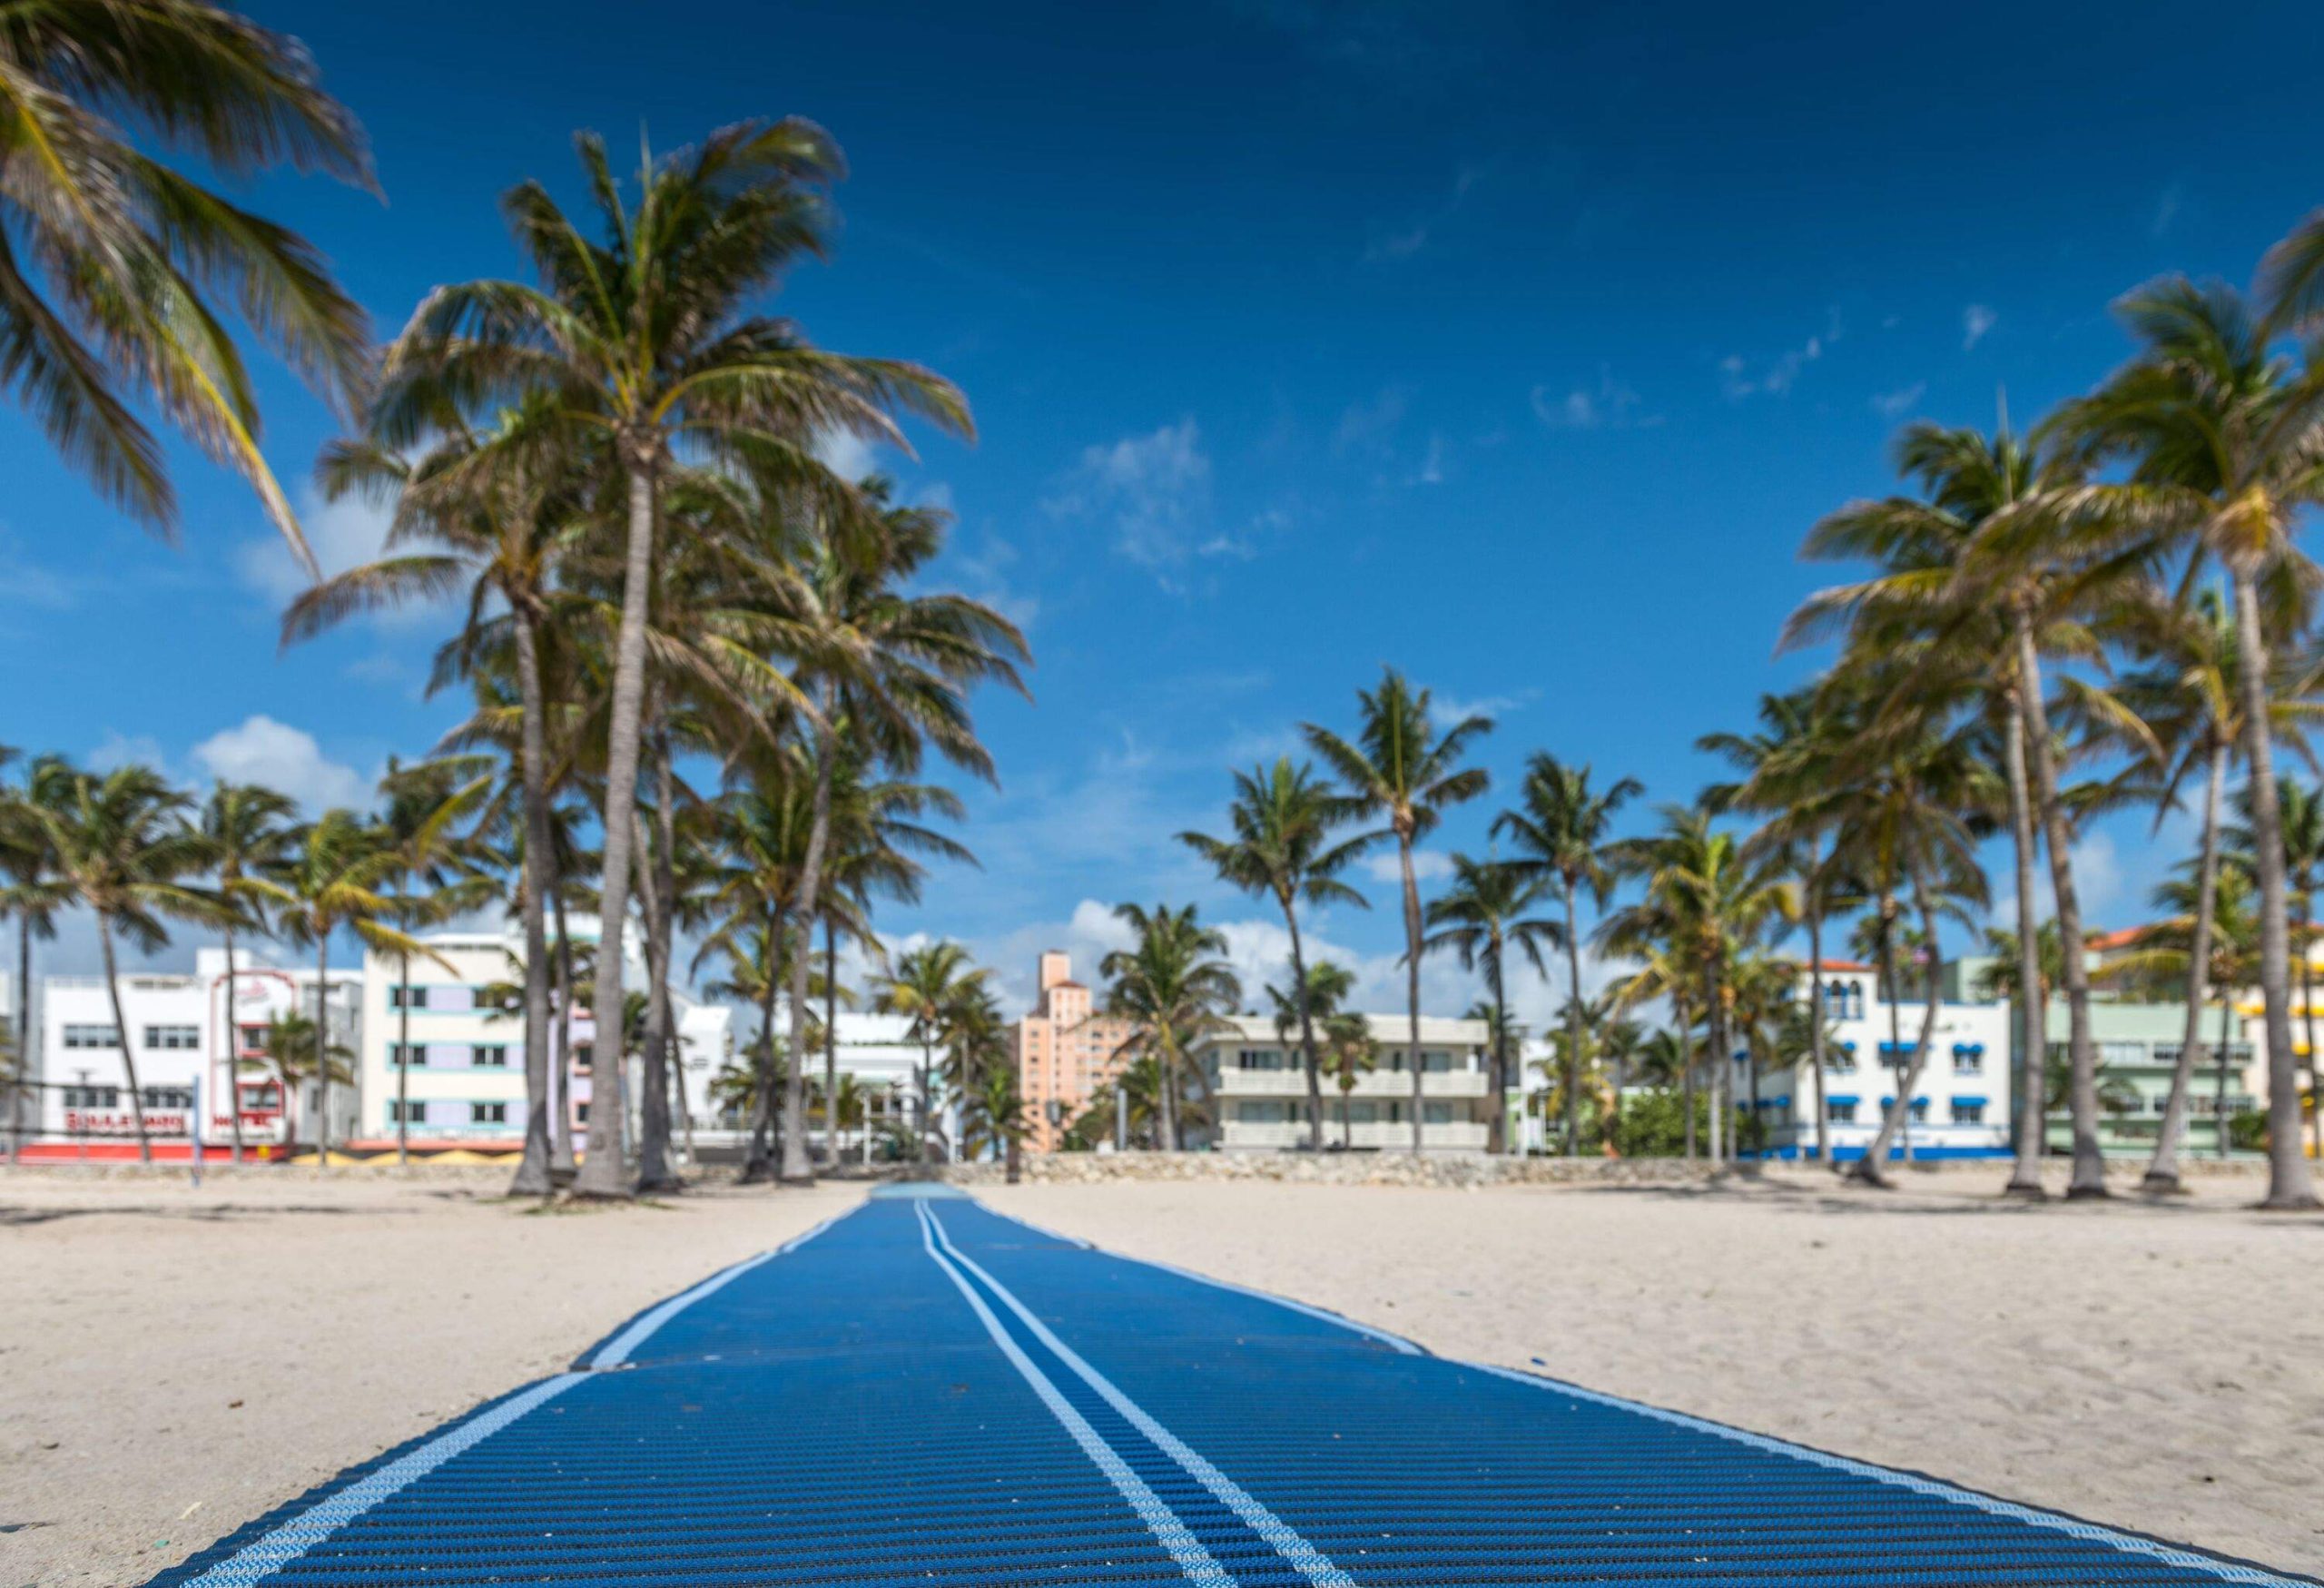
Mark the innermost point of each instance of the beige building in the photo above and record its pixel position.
(1066, 1052)
(1259, 1088)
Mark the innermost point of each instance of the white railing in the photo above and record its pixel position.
(1378, 1135)
(1379, 1084)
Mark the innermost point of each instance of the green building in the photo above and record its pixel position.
(2138, 1049)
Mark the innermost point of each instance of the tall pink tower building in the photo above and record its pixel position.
(1065, 1052)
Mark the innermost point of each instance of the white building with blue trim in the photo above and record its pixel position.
(1960, 1106)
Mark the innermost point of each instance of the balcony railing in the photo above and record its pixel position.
(1380, 1084)
(1378, 1135)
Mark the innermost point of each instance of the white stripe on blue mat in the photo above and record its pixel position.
(2226, 1571)
(1321, 1315)
(619, 1349)
(1311, 1563)
(277, 1548)
(1169, 1529)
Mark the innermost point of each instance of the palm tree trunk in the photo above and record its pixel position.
(2032, 1011)
(322, 1050)
(1714, 1004)
(533, 1176)
(797, 1168)
(758, 1158)
(233, 1052)
(605, 1173)
(1497, 1123)
(2290, 1185)
(2162, 1172)
(25, 1035)
(1572, 1027)
(1166, 1065)
(831, 1040)
(920, 1125)
(561, 1163)
(1869, 1169)
(1306, 1027)
(2307, 1008)
(403, 1059)
(2089, 1179)
(654, 881)
(121, 1030)
(1815, 899)
(1411, 981)
(2220, 1143)
(1686, 1028)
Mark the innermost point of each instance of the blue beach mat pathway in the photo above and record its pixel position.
(923, 1392)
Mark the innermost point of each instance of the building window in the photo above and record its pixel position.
(92, 1097)
(1969, 1060)
(407, 996)
(488, 1113)
(77, 1036)
(491, 1056)
(179, 1038)
(1920, 1110)
(414, 1112)
(1966, 1112)
(168, 1097)
(582, 1053)
(2121, 1053)
(407, 1055)
(1840, 1111)
(253, 1038)
(580, 1113)
(1436, 1113)
(1839, 1059)
(1269, 1113)
(1258, 1059)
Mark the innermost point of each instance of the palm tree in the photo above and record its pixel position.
(33, 893)
(2009, 547)
(287, 1053)
(2302, 810)
(1283, 819)
(1326, 985)
(1562, 830)
(2190, 700)
(1173, 990)
(2208, 413)
(894, 666)
(1621, 1046)
(1350, 1053)
(417, 833)
(124, 258)
(332, 876)
(121, 842)
(247, 830)
(758, 954)
(1400, 769)
(1805, 739)
(490, 517)
(927, 987)
(642, 341)
(2161, 957)
(996, 1115)
(1712, 900)
(1481, 916)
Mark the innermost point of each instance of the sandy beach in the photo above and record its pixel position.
(173, 1362)
(2158, 1367)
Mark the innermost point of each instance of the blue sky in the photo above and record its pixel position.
(1514, 347)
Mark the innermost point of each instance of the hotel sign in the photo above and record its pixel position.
(122, 1122)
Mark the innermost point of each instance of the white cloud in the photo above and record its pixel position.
(1384, 865)
(1403, 242)
(1610, 405)
(1445, 710)
(1153, 491)
(1895, 405)
(1368, 425)
(344, 534)
(117, 750)
(1432, 467)
(1738, 379)
(1975, 321)
(846, 454)
(263, 750)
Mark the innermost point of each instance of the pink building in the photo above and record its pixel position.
(1065, 1052)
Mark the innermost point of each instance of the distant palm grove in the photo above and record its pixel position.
(708, 679)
